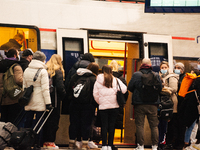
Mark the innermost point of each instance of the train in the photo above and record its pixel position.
(107, 29)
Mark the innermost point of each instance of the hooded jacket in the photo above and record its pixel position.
(82, 72)
(40, 96)
(106, 97)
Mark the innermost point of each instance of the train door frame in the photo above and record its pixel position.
(71, 33)
(152, 38)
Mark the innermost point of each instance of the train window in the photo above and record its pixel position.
(157, 53)
(30, 36)
(72, 49)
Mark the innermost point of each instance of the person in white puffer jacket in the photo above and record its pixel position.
(40, 99)
(104, 92)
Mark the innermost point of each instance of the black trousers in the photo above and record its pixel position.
(108, 118)
(172, 130)
(81, 117)
(10, 112)
(51, 126)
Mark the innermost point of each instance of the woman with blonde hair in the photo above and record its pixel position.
(105, 90)
(57, 93)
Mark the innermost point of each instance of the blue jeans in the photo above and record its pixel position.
(188, 132)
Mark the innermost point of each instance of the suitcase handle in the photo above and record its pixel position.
(50, 111)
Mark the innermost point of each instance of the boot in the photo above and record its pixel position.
(72, 144)
(85, 145)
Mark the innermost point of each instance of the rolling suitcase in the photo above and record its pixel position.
(6, 130)
(26, 137)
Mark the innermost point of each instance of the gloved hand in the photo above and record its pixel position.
(49, 106)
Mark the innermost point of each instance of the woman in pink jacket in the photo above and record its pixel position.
(104, 92)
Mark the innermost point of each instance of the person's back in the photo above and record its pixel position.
(86, 59)
(40, 96)
(144, 108)
(16, 42)
(27, 56)
(10, 107)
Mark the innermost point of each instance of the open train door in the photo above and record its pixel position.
(158, 48)
(70, 45)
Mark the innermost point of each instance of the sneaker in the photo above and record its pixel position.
(109, 148)
(139, 147)
(189, 147)
(50, 145)
(91, 144)
(154, 147)
(196, 146)
(104, 148)
(79, 144)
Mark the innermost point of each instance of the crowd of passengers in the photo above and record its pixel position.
(180, 132)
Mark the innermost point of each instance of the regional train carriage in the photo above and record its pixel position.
(109, 30)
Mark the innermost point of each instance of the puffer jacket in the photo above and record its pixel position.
(40, 96)
(106, 97)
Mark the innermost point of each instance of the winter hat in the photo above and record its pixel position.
(27, 52)
(181, 65)
(39, 56)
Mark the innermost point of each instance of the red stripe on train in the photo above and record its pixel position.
(183, 38)
(50, 30)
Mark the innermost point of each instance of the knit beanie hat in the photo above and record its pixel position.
(181, 65)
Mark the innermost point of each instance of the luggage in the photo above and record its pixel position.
(26, 137)
(6, 130)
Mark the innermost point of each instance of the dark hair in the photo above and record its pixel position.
(94, 67)
(11, 52)
(107, 71)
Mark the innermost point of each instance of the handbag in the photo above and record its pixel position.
(120, 96)
(26, 96)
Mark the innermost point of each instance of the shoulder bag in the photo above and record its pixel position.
(26, 96)
(120, 96)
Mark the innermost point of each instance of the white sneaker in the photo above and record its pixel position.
(91, 144)
(154, 147)
(190, 147)
(104, 148)
(196, 146)
(139, 147)
(79, 144)
(109, 148)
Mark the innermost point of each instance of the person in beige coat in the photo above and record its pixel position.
(40, 99)
(10, 107)
(170, 83)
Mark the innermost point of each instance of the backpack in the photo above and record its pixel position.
(186, 83)
(10, 87)
(81, 90)
(151, 87)
(165, 108)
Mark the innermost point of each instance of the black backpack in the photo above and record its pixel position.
(151, 87)
(81, 90)
(165, 108)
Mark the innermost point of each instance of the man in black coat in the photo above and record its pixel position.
(27, 56)
(144, 107)
(16, 42)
